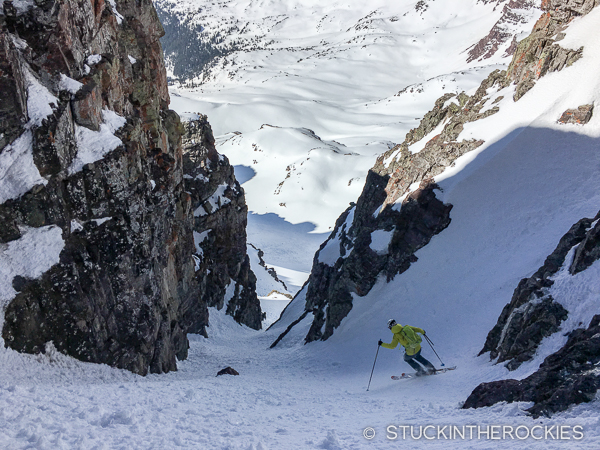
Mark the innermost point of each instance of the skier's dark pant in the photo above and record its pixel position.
(413, 359)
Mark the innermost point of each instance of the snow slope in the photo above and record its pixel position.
(514, 198)
(297, 397)
(308, 93)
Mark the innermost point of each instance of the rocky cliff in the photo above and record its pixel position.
(532, 313)
(569, 375)
(220, 217)
(398, 212)
(540, 53)
(97, 233)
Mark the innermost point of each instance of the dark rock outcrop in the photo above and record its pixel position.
(86, 113)
(220, 218)
(569, 376)
(588, 251)
(350, 262)
(227, 371)
(420, 217)
(532, 313)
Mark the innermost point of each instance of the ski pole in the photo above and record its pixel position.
(431, 345)
(373, 367)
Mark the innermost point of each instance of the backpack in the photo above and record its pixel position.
(412, 338)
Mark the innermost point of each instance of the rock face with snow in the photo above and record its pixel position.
(220, 217)
(365, 244)
(514, 12)
(540, 53)
(532, 313)
(439, 132)
(567, 376)
(370, 245)
(348, 263)
(89, 147)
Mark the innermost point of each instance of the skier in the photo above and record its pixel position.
(407, 336)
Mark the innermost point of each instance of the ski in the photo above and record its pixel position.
(414, 375)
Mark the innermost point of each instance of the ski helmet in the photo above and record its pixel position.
(391, 323)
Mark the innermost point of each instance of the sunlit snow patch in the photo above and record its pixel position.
(69, 84)
(94, 145)
(299, 176)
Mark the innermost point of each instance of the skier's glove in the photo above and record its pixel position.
(380, 342)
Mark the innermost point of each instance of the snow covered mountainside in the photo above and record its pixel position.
(482, 191)
(529, 173)
(97, 217)
(305, 95)
(353, 71)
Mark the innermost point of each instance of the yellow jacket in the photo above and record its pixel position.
(399, 338)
